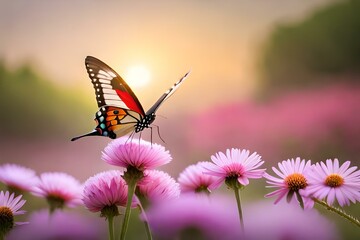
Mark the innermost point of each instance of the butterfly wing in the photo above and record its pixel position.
(110, 88)
(115, 122)
(119, 109)
(166, 95)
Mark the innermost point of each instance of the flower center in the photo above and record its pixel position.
(6, 220)
(55, 202)
(202, 188)
(192, 232)
(234, 170)
(334, 180)
(295, 182)
(109, 211)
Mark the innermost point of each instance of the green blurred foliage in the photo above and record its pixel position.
(32, 107)
(315, 50)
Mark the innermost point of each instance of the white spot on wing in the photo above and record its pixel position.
(103, 72)
(111, 97)
(106, 86)
(105, 81)
(105, 77)
(116, 103)
(109, 91)
(112, 74)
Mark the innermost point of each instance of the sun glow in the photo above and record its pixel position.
(137, 76)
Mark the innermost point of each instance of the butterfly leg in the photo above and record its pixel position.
(131, 136)
(140, 138)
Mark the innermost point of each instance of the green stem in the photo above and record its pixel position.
(146, 223)
(131, 190)
(339, 212)
(111, 227)
(238, 201)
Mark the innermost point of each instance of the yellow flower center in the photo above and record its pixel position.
(295, 182)
(334, 180)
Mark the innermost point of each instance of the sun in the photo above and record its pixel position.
(137, 76)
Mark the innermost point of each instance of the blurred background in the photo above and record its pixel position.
(277, 77)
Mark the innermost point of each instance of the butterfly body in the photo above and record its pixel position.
(120, 112)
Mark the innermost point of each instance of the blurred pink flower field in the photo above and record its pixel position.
(319, 122)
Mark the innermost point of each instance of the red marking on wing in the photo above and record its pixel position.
(129, 101)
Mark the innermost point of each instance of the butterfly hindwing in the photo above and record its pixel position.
(110, 88)
(114, 121)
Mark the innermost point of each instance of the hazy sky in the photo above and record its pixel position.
(217, 40)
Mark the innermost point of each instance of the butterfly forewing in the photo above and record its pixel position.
(166, 95)
(110, 88)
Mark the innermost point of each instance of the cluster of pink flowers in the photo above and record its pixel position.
(214, 217)
(206, 176)
(321, 181)
(110, 188)
(58, 186)
(59, 189)
(170, 213)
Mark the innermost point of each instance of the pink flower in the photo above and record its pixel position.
(9, 207)
(18, 177)
(194, 217)
(237, 164)
(332, 181)
(138, 154)
(105, 189)
(59, 189)
(59, 225)
(193, 179)
(292, 180)
(286, 221)
(269, 125)
(157, 186)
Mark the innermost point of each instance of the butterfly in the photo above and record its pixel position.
(120, 111)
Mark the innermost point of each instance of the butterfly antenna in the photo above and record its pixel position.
(93, 133)
(158, 132)
(161, 116)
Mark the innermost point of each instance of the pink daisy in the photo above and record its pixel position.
(334, 182)
(135, 153)
(59, 189)
(235, 164)
(157, 186)
(193, 179)
(9, 207)
(104, 190)
(292, 180)
(18, 177)
(194, 217)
